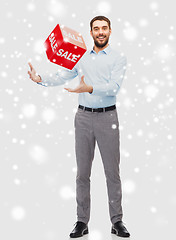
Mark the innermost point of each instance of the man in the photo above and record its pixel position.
(101, 71)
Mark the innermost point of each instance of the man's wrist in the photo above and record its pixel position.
(40, 78)
(90, 89)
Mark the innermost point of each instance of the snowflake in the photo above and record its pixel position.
(104, 7)
(129, 186)
(67, 192)
(18, 213)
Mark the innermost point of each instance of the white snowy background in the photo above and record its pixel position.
(37, 158)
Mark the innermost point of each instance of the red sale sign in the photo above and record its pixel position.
(65, 46)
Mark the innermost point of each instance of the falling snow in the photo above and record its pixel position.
(38, 168)
(18, 213)
(66, 192)
(38, 154)
(130, 33)
(104, 7)
(29, 110)
(48, 115)
(129, 186)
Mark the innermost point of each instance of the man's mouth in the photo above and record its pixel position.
(102, 37)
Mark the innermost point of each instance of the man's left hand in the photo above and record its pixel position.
(83, 87)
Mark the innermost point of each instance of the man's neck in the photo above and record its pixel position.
(96, 49)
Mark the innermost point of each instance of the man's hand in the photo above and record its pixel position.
(83, 87)
(32, 74)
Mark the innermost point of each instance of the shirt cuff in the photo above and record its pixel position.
(105, 89)
(42, 83)
(97, 90)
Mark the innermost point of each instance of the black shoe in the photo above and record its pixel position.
(120, 230)
(79, 230)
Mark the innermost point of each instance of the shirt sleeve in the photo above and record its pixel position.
(59, 78)
(112, 87)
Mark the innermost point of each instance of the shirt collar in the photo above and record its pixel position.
(106, 50)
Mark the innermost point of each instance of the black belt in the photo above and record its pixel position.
(98, 109)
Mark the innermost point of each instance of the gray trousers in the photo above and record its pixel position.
(103, 128)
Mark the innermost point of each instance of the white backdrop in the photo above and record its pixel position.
(37, 158)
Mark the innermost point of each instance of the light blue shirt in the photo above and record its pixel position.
(104, 71)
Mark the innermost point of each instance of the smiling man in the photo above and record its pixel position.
(100, 33)
(101, 71)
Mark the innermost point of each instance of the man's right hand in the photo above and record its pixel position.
(32, 74)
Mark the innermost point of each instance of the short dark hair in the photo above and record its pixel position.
(101, 18)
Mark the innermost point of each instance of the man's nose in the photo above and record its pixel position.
(101, 31)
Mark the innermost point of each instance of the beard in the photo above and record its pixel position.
(101, 45)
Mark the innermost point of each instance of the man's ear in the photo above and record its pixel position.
(91, 33)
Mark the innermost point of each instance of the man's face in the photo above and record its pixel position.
(100, 33)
